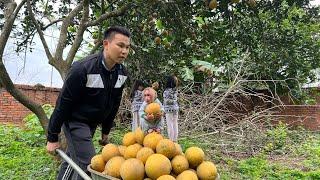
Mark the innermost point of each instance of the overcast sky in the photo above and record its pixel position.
(315, 2)
(31, 68)
(35, 69)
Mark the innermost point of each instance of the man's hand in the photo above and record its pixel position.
(52, 146)
(104, 140)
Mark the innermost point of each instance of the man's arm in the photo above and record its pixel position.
(69, 95)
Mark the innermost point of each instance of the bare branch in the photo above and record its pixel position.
(51, 23)
(233, 85)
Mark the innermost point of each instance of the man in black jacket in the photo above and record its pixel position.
(90, 96)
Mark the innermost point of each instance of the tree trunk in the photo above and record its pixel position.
(23, 99)
(82, 10)
(10, 13)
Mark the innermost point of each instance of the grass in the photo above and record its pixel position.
(296, 157)
(23, 155)
(288, 154)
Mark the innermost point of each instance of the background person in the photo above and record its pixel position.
(171, 107)
(137, 100)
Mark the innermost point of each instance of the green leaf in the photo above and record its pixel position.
(159, 24)
(205, 66)
(187, 74)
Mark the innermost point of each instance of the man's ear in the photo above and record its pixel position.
(105, 42)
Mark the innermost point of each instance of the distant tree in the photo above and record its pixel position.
(73, 18)
(189, 38)
(10, 11)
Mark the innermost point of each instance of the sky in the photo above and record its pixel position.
(315, 2)
(33, 68)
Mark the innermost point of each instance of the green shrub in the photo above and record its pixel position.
(276, 138)
(254, 168)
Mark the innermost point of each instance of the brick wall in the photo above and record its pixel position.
(307, 116)
(11, 111)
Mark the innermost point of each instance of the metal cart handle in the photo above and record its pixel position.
(73, 165)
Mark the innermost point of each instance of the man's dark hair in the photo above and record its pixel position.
(110, 32)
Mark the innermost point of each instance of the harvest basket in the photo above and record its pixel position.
(95, 175)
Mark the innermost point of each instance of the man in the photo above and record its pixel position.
(90, 96)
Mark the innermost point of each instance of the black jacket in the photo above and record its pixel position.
(90, 94)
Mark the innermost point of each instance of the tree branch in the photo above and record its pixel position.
(5, 81)
(8, 23)
(64, 30)
(51, 23)
(79, 36)
(40, 32)
(107, 15)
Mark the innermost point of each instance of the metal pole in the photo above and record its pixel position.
(73, 165)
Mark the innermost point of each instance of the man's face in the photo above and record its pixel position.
(116, 49)
(148, 96)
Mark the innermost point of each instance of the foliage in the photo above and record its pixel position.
(276, 137)
(280, 37)
(19, 147)
(299, 158)
(23, 154)
(309, 96)
(311, 150)
(260, 167)
(254, 167)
